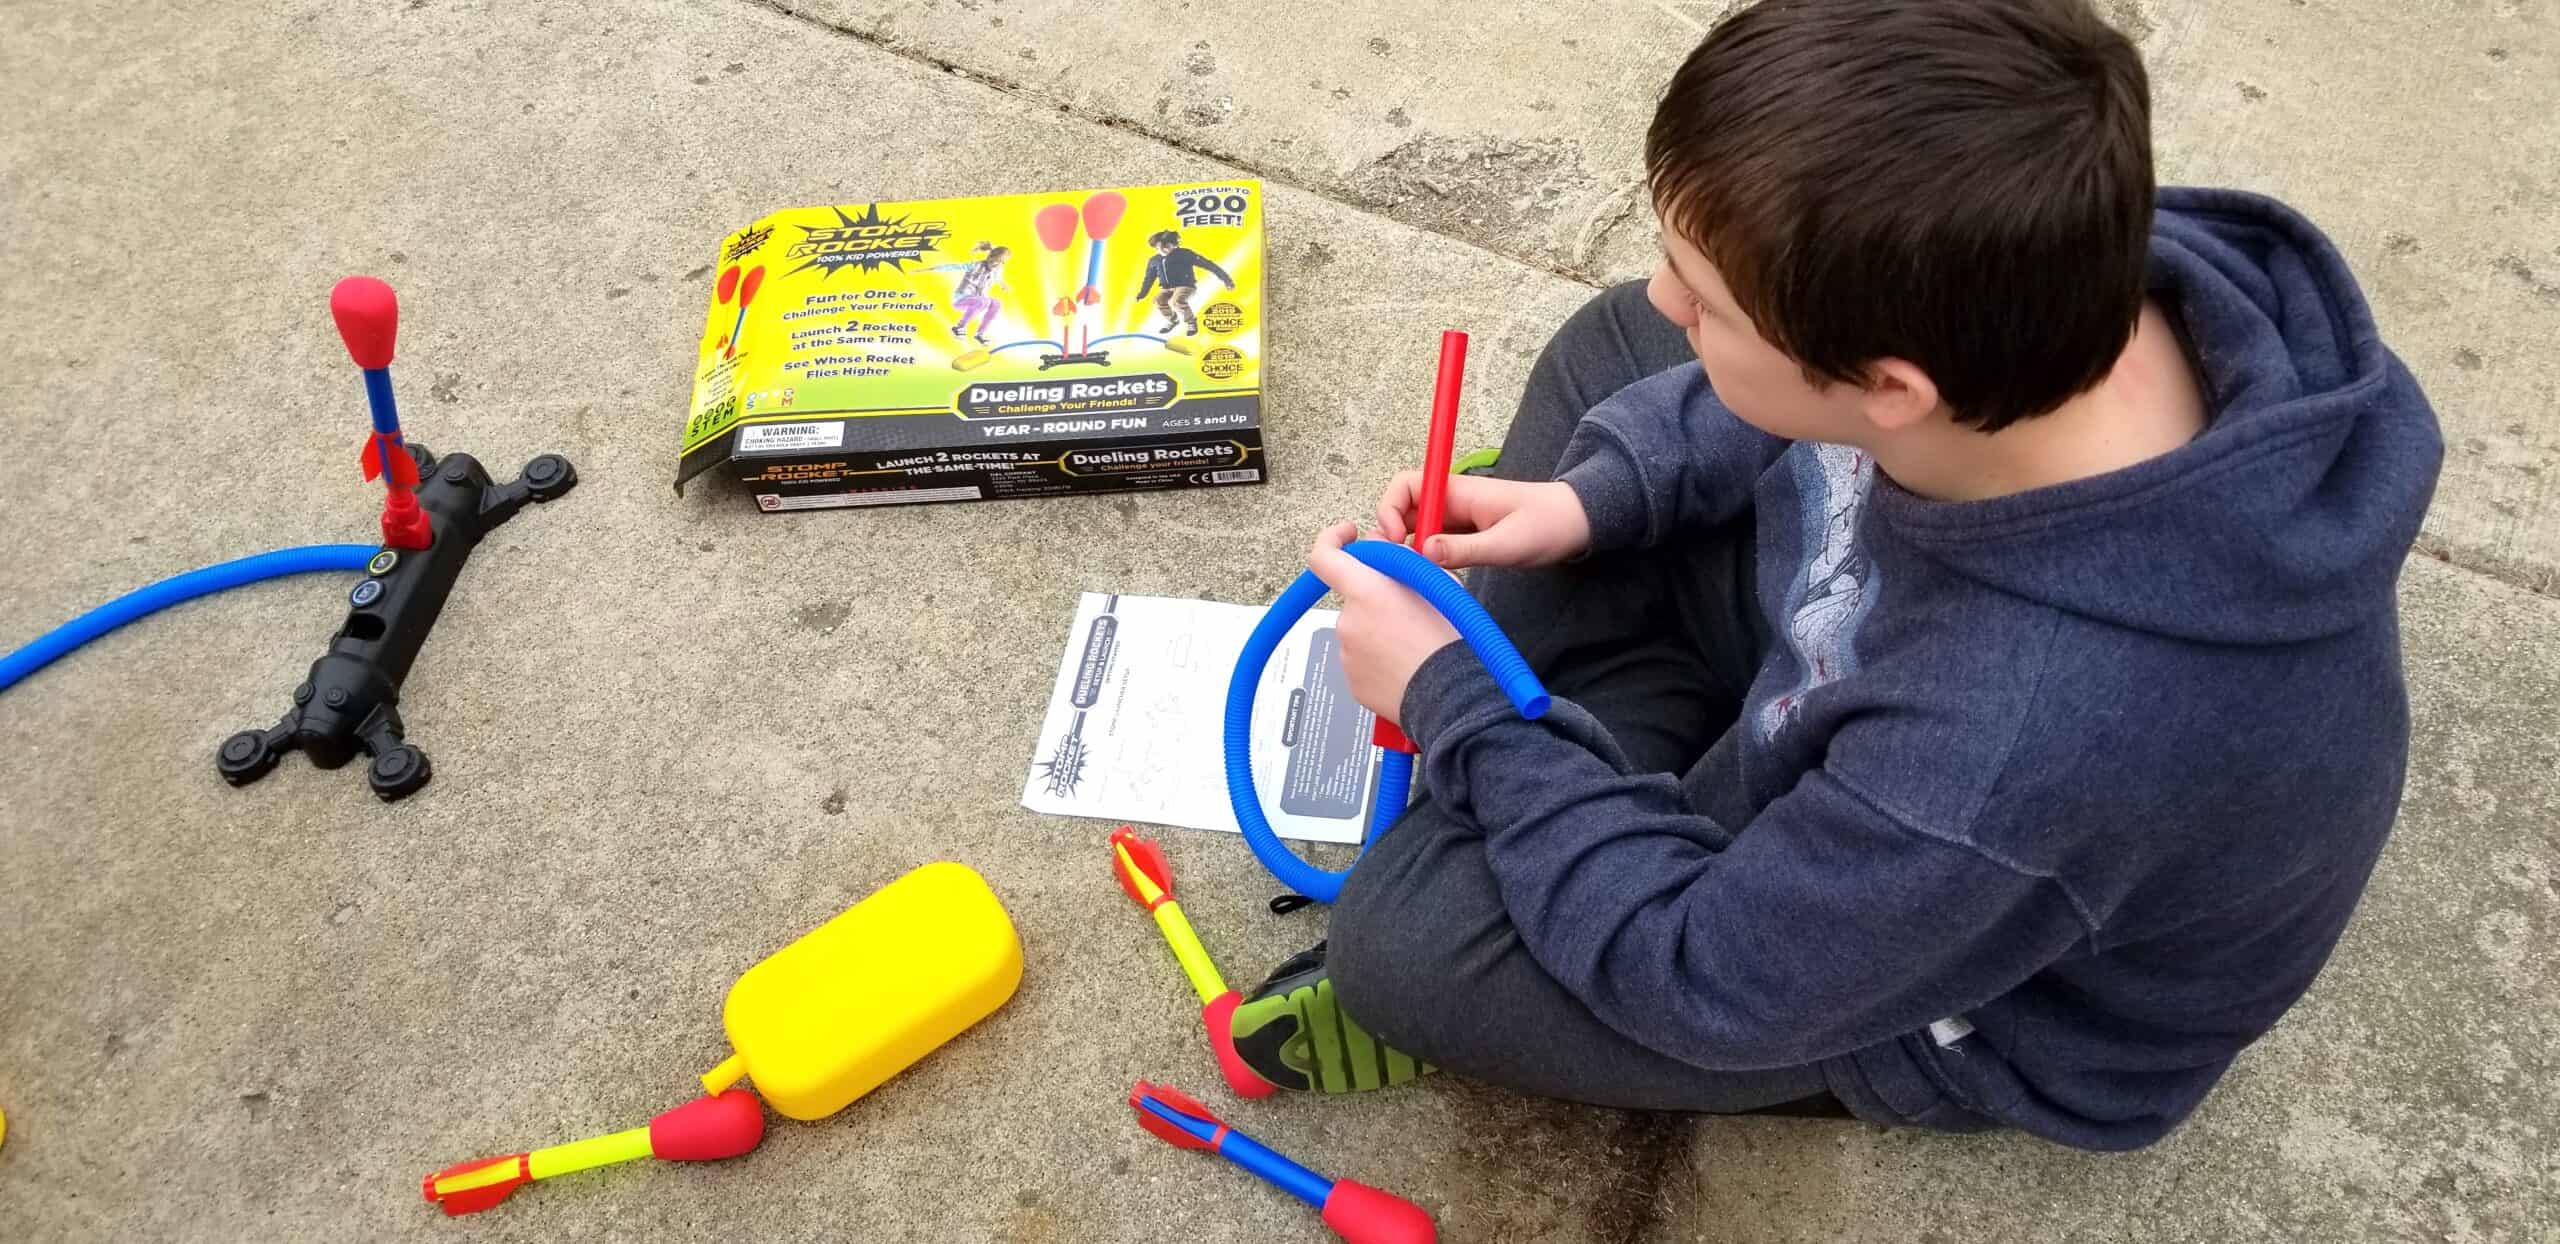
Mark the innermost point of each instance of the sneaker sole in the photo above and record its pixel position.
(1301, 1040)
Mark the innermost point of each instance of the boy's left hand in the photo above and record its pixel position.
(1386, 630)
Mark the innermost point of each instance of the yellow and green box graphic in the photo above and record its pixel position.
(972, 349)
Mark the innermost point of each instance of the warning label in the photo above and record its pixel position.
(769, 437)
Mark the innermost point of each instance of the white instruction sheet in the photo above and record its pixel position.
(1136, 722)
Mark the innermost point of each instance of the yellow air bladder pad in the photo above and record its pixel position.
(827, 1018)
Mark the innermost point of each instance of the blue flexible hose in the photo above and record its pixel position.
(1510, 672)
(145, 601)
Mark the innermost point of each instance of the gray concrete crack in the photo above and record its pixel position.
(1648, 1146)
(2513, 572)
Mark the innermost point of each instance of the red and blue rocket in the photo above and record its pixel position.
(1355, 1211)
(368, 317)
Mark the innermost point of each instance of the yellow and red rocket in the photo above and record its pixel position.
(703, 1130)
(1140, 865)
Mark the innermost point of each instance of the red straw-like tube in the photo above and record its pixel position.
(1435, 480)
(1444, 436)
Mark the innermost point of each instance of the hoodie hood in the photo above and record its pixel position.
(2288, 518)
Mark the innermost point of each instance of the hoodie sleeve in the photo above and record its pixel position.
(1660, 456)
(1155, 268)
(1829, 926)
(1221, 273)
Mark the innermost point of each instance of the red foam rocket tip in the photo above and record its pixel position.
(748, 287)
(1102, 213)
(728, 284)
(1179, 1104)
(1150, 860)
(475, 1200)
(1056, 225)
(1242, 1080)
(709, 1128)
(368, 317)
(1365, 1215)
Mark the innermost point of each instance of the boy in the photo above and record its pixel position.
(1968, 596)
(1177, 268)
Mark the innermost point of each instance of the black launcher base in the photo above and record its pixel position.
(350, 701)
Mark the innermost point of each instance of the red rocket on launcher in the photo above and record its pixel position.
(368, 317)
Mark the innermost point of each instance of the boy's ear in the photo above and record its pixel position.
(1898, 395)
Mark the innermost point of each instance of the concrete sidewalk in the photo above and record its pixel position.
(672, 734)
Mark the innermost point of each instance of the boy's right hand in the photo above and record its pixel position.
(1490, 522)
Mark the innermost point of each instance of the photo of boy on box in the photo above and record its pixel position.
(1176, 268)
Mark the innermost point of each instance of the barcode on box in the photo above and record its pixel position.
(1245, 476)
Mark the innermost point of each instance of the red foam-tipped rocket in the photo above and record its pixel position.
(703, 1130)
(1355, 1211)
(368, 318)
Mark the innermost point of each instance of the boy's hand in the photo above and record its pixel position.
(1386, 629)
(1490, 522)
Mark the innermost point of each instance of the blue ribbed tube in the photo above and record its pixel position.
(145, 601)
(1509, 670)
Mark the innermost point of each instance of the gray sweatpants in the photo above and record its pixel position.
(1661, 646)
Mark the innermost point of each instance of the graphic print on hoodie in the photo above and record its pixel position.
(2089, 777)
(1830, 594)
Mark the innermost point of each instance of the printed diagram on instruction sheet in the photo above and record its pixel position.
(1133, 729)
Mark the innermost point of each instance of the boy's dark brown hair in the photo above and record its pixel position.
(1965, 184)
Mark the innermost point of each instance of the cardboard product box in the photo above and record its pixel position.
(974, 349)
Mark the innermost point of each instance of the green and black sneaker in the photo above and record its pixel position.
(1293, 1033)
